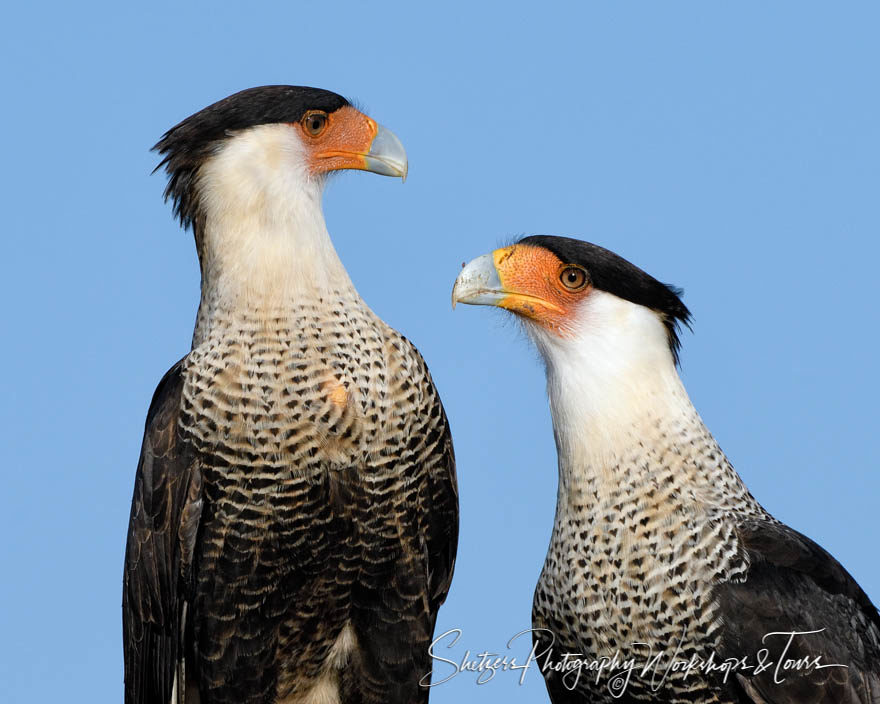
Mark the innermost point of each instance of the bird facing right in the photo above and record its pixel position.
(665, 580)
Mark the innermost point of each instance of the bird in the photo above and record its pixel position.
(665, 580)
(294, 520)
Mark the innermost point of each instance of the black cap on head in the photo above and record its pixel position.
(186, 145)
(612, 273)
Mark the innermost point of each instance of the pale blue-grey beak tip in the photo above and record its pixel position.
(387, 155)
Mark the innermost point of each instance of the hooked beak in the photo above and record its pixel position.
(519, 279)
(387, 155)
(505, 279)
(356, 141)
(478, 284)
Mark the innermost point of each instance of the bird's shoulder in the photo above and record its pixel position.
(407, 366)
(165, 403)
(400, 346)
(798, 602)
(772, 544)
(163, 524)
(420, 395)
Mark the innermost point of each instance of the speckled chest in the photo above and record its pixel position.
(634, 556)
(306, 422)
(282, 395)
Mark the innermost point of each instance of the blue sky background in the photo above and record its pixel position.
(731, 149)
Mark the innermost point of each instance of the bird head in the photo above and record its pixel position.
(270, 144)
(580, 303)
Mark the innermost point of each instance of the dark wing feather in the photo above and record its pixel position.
(157, 579)
(793, 585)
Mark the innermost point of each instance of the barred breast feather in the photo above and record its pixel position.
(309, 452)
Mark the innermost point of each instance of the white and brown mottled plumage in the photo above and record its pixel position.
(657, 547)
(294, 520)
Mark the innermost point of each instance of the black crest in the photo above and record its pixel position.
(612, 273)
(185, 146)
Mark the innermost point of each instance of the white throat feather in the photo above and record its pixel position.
(265, 242)
(608, 381)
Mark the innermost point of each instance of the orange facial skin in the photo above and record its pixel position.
(531, 279)
(343, 143)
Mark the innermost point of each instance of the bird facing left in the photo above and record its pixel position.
(295, 513)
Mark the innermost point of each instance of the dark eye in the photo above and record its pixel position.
(573, 278)
(315, 123)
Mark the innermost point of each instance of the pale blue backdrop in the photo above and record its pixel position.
(730, 149)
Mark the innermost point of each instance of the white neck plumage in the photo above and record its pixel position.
(611, 385)
(265, 244)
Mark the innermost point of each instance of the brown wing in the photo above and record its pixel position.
(793, 585)
(157, 578)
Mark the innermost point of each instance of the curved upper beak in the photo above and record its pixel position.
(478, 283)
(387, 155)
(515, 278)
(356, 141)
